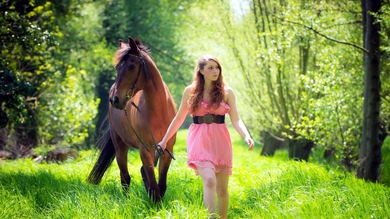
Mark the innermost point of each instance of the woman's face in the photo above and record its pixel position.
(211, 70)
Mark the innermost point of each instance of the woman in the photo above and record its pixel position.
(209, 146)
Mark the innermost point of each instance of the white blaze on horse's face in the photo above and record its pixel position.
(119, 69)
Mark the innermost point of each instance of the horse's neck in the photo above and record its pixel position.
(154, 91)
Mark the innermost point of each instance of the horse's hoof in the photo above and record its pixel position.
(155, 197)
(125, 187)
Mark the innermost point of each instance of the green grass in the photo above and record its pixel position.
(260, 187)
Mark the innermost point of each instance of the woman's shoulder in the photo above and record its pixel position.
(228, 93)
(188, 89)
(228, 89)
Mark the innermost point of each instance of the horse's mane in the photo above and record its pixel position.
(141, 46)
(121, 53)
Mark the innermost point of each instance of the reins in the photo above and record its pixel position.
(159, 151)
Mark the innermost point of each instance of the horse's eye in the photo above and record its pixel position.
(131, 67)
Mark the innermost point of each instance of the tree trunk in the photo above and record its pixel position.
(270, 144)
(299, 149)
(102, 91)
(370, 149)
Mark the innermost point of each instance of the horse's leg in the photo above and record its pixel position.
(121, 150)
(165, 162)
(144, 178)
(148, 176)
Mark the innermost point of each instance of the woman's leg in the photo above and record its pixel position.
(223, 194)
(209, 188)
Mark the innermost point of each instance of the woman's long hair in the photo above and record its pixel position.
(217, 91)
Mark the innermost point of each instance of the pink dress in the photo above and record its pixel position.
(209, 145)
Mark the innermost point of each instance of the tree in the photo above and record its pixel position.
(25, 41)
(370, 148)
(42, 82)
(299, 84)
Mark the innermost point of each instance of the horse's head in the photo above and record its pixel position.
(132, 73)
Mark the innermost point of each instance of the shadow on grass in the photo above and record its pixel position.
(45, 190)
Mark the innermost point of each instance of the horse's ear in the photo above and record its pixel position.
(133, 45)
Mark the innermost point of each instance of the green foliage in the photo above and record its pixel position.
(266, 188)
(70, 101)
(333, 89)
(13, 91)
(384, 19)
(22, 59)
(333, 97)
(45, 39)
(68, 111)
(384, 169)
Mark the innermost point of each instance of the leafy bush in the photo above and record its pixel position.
(385, 166)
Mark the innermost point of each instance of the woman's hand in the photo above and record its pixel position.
(250, 142)
(162, 144)
(160, 151)
(160, 147)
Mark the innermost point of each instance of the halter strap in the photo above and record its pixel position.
(142, 66)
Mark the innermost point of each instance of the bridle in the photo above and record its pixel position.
(159, 151)
(146, 71)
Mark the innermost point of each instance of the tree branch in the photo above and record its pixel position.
(384, 97)
(325, 36)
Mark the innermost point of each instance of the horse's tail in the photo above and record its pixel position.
(107, 155)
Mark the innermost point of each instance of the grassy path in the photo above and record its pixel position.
(260, 187)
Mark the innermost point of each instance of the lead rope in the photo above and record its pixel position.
(128, 121)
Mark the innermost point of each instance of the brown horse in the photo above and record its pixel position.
(140, 112)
